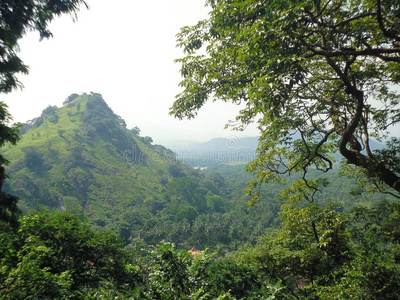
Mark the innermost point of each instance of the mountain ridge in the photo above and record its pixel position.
(82, 158)
(230, 150)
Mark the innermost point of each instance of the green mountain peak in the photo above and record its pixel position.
(82, 158)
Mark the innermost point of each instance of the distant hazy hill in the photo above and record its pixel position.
(223, 143)
(228, 151)
(218, 151)
(81, 158)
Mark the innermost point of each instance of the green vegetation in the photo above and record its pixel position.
(17, 18)
(318, 253)
(82, 159)
(86, 162)
(325, 70)
(57, 256)
(99, 198)
(9, 134)
(75, 159)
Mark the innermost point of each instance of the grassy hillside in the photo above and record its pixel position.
(81, 158)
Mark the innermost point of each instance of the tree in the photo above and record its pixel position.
(176, 275)
(318, 76)
(33, 159)
(70, 98)
(9, 210)
(147, 140)
(17, 17)
(321, 253)
(58, 256)
(135, 130)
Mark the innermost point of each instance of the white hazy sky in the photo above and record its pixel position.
(124, 50)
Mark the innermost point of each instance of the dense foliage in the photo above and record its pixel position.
(318, 253)
(8, 134)
(313, 250)
(326, 70)
(57, 256)
(285, 249)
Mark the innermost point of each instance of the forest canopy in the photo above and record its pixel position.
(326, 72)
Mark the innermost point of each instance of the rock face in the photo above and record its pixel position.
(82, 158)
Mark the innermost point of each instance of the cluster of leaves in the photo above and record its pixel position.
(318, 253)
(8, 134)
(211, 211)
(324, 70)
(321, 253)
(58, 256)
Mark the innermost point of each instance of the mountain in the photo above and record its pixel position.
(82, 158)
(229, 150)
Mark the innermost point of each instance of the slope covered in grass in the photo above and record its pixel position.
(81, 158)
